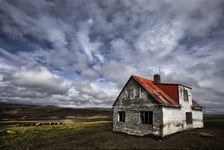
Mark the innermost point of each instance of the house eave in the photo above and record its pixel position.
(172, 106)
(197, 108)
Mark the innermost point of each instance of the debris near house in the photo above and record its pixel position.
(150, 107)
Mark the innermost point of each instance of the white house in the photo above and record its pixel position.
(150, 107)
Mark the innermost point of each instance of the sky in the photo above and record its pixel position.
(76, 53)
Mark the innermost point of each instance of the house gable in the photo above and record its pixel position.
(134, 94)
(164, 94)
(158, 94)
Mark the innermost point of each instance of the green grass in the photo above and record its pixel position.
(13, 137)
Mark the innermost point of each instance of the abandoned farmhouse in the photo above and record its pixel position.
(150, 107)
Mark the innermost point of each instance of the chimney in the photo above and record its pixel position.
(156, 78)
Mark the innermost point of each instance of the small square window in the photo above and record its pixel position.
(146, 117)
(121, 116)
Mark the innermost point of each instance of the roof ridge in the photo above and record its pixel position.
(156, 92)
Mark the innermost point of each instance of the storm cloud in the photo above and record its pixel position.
(76, 53)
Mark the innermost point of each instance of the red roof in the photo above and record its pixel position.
(158, 93)
(170, 89)
(165, 94)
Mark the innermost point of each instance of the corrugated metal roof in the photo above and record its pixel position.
(170, 89)
(159, 95)
(164, 94)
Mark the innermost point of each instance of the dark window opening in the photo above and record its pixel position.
(129, 93)
(138, 92)
(146, 117)
(121, 116)
(188, 117)
(185, 95)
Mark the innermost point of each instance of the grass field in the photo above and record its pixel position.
(94, 132)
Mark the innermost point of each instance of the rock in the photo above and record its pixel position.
(38, 124)
(9, 131)
(206, 135)
(3, 133)
(26, 125)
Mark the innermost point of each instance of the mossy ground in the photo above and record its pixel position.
(48, 136)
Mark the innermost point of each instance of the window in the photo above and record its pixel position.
(185, 95)
(130, 93)
(146, 117)
(188, 117)
(138, 92)
(121, 116)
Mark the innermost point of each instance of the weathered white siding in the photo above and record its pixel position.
(186, 104)
(172, 120)
(198, 118)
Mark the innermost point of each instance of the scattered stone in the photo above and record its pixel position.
(206, 135)
(9, 131)
(26, 125)
(18, 125)
(45, 123)
(38, 124)
(3, 133)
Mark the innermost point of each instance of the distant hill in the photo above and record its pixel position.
(16, 104)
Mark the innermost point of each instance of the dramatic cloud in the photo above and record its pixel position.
(80, 54)
(40, 79)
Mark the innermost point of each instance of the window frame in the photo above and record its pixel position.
(146, 117)
(128, 93)
(185, 94)
(121, 116)
(138, 91)
(189, 119)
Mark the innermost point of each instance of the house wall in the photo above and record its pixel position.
(174, 119)
(197, 118)
(132, 108)
(197, 115)
(186, 104)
